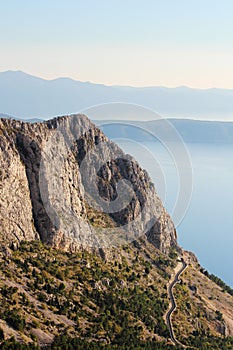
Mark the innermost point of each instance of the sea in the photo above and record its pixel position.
(205, 183)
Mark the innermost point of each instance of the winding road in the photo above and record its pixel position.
(173, 302)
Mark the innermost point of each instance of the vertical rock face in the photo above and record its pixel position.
(52, 173)
(16, 217)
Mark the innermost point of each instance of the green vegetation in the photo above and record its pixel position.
(66, 343)
(218, 281)
(98, 218)
(87, 302)
(113, 301)
(211, 343)
(14, 319)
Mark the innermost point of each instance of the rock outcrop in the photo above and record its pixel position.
(53, 172)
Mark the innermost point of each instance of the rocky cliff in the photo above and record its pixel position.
(64, 182)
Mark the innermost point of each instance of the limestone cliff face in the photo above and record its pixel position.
(52, 173)
(16, 217)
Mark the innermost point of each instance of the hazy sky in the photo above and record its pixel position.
(126, 42)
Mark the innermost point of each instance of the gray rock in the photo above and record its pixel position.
(50, 173)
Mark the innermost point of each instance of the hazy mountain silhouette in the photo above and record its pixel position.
(27, 96)
(190, 130)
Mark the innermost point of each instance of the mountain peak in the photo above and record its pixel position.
(33, 144)
(16, 73)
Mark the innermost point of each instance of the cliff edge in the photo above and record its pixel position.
(64, 182)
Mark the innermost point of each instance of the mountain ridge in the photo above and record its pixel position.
(71, 96)
(22, 73)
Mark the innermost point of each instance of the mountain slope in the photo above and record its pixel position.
(120, 303)
(79, 268)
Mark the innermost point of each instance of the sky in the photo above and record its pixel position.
(121, 42)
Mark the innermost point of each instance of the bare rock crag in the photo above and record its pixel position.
(53, 205)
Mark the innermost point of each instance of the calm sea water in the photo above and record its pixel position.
(207, 227)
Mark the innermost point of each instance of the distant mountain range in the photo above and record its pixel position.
(28, 96)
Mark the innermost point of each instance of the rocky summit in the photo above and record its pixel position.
(48, 178)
